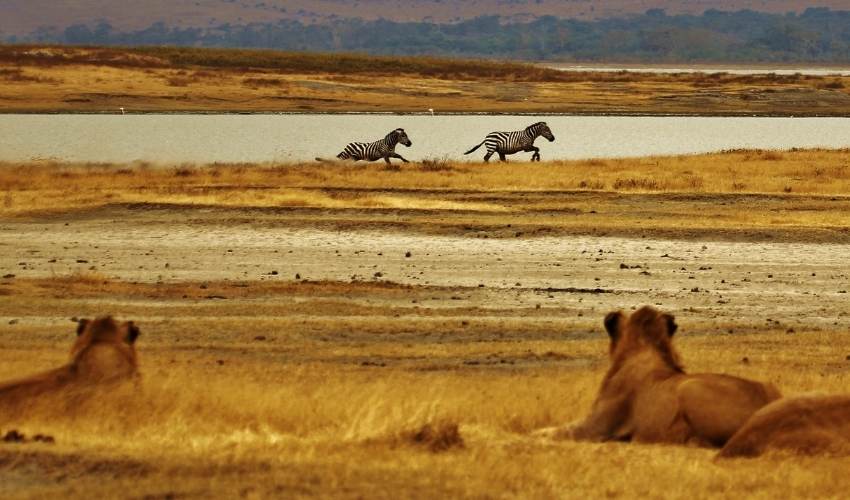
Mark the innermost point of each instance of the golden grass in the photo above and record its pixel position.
(222, 412)
(798, 190)
(182, 79)
(277, 386)
(805, 171)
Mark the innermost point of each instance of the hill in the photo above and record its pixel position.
(20, 17)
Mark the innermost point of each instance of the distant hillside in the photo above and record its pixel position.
(814, 36)
(19, 17)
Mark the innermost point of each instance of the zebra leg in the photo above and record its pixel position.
(396, 155)
(387, 159)
(502, 157)
(487, 156)
(536, 155)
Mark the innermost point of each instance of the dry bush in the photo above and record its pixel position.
(694, 182)
(635, 183)
(263, 82)
(772, 156)
(833, 85)
(179, 81)
(435, 165)
(18, 75)
(437, 437)
(185, 171)
(594, 185)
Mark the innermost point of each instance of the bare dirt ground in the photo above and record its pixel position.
(339, 350)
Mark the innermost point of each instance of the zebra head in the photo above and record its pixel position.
(540, 128)
(399, 136)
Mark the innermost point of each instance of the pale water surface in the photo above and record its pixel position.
(294, 137)
(732, 70)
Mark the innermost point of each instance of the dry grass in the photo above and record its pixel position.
(274, 385)
(187, 79)
(779, 192)
(232, 403)
(809, 171)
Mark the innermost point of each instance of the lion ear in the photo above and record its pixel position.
(81, 326)
(612, 324)
(671, 324)
(133, 332)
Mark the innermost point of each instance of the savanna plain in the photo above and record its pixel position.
(398, 331)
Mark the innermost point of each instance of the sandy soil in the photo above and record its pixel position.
(719, 279)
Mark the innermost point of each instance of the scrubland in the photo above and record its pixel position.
(163, 79)
(371, 331)
(796, 195)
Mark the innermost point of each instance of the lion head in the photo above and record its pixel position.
(105, 349)
(646, 329)
(103, 353)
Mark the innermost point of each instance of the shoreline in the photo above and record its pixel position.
(420, 113)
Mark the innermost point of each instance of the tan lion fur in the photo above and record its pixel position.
(646, 396)
(103, 352)
(807, 424)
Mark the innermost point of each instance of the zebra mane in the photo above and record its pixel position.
(392, 137)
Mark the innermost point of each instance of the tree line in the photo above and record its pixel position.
(815, 35)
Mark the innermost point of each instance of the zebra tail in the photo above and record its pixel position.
(476, 147)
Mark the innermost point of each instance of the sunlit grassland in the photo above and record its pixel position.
(280, 386)
(221, 410)
(757, 190)
(156, 79)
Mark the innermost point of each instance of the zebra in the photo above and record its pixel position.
(508, 143)
(371, 151)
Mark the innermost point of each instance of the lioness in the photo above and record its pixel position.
(646, 395)
(807, 424)
(103, 352)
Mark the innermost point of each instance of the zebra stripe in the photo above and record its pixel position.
(371, 151)
(508, 143)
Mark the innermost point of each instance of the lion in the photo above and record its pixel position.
(104, 352)
(647, 397)
(808, 424)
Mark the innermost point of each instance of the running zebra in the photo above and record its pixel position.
(508, 143)
(371, 151)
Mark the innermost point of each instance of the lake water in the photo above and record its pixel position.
(293, 137)
(732, 70)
